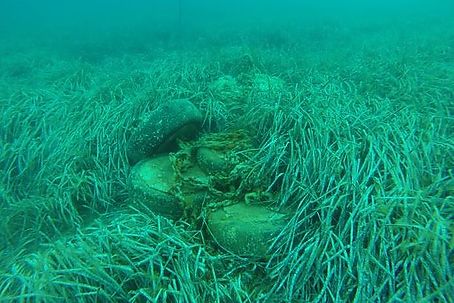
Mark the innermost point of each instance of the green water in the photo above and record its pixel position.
(334, 117)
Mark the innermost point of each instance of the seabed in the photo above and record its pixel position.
(350, 135)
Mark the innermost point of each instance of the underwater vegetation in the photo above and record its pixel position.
(350, 140)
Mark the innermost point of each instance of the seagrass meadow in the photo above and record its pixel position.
(351, 135)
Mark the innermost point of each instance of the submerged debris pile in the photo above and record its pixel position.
(201, 181)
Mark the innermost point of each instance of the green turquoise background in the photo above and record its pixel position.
(349, 106)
